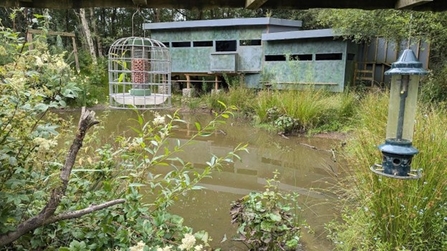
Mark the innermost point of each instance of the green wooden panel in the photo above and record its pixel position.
(223, 62)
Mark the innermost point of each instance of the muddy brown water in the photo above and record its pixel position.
(306, 166)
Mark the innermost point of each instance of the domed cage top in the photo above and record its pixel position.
(139, 74)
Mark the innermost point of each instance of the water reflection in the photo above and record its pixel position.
(305, 165)
(306, 170)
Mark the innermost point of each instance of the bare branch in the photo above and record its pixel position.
(82, 212)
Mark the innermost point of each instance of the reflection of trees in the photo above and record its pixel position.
(300, 166)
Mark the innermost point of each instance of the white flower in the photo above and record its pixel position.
(168, 248)
(188, 242)
(139, 247)
(60, 65)
(39, 61)
(158, 120)
(44, 144)
(198, 247)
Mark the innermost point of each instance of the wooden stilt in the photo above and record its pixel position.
(216, 83)
(29, 39)
(188, 81)
(75, 53)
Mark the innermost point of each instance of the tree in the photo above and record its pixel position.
(88, 35)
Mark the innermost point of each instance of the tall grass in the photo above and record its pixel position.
(237, 96)
(389, 214)
(312, 108)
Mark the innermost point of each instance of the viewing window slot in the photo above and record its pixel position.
(301, 57)
(226, 45)
(181, 44)
(202, 44)
(329, 56)
(275, 58)
(253, 42)
(167, 44)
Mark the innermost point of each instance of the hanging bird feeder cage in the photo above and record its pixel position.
(139, 74)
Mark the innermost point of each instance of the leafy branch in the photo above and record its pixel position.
(47, 215)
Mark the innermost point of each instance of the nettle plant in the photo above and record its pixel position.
(268, 220)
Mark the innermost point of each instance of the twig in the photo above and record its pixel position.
(82, 212)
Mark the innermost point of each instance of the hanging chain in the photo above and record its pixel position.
(409, 31)
(133, 17)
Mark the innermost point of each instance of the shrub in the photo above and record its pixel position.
(267, 220)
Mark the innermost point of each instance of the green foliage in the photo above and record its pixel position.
(434, 88)
(267, 220)
(31, 83)
(93, 85)
(145, 162)
(394, 214)
(32, 153)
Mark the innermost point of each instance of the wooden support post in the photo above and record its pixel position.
(29, 39)
(188, 81)
(75, 53)
(216, 83)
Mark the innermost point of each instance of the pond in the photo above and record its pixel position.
(307, 165)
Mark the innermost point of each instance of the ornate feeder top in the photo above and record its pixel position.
(138, 41)
(407, 64)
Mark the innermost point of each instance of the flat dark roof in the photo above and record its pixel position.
(232, 22)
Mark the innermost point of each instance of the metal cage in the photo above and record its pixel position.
(139, 74)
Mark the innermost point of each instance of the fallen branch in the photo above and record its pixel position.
(46, 216)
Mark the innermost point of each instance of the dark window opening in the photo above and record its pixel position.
(328, 56)
(254, 42)
(275, 58)
(227, 45)
(181, 44)
(351, 56)
(202, 44)
(166, 44)
(301, 57)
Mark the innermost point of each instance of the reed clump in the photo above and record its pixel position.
(311, 110)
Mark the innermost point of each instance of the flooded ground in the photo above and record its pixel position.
(306, 165)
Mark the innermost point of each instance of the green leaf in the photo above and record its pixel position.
(136, 185)
(41, 107)
(266, 226)
(198, 126)
(222, 104)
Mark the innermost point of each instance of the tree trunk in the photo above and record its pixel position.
(95, 33)
(88, 35)
(157, 15)
(112, 23)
